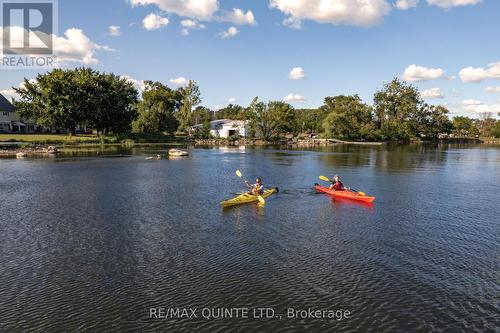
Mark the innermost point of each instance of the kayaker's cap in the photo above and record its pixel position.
(258, 180)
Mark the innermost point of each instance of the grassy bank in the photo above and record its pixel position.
(65, 139)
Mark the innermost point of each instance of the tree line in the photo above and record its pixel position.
(69, 98)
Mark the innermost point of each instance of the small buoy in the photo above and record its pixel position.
(21, 155)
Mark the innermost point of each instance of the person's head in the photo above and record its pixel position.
(258, 180)
(336, 178)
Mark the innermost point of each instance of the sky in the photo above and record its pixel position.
(299, 51)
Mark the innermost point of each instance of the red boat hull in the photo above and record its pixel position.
(345, 194)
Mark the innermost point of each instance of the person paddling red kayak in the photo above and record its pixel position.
(337, 184)
(337, 189)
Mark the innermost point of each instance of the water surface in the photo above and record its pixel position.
(91, 242)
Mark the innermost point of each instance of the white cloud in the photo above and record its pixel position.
(348, 12)
(11, 93)
(475, 106)
(471, 102)
(296, 73)
(154, 21)
(432, 93)
(179, 81)
(406, 4)
(200, 9)
(472, 74)
(492, 89)
(232, 100)
(452, 3)
(231, 32)
(238, 16)
(188, 25)
(74, 46)
(419, 73)
(138, 84)
(114, 30)
(293, 98)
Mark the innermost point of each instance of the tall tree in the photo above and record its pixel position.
(191, 97)
(310, 120)
(157, 109)
(464, 127)
(201, 115)
(429, 121)
(395, 105)
(114, 104)
(348, 118)
(69, 98)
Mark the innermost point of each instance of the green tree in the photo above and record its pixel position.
(464, 127)
(310, 120)
(488, 127)
(429, 121)
(348, 118)
(200, 115)
(233, 112)
(496, 129)
(204, 131)
(270, 120)
(157, 109)
(191, 97)
(113, 104)
(396, 106)
(69, 98)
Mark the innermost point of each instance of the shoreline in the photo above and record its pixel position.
(11, 149)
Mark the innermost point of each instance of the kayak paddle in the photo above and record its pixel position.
(261, 199)
(326, 179)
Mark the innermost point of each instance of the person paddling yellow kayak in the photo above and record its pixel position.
(257, 189)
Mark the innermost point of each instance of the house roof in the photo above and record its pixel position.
(5, 105)
(214, 124)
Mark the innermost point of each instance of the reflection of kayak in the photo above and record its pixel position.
(247, 198)
(344, 194)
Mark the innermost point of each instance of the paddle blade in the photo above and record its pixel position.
(261, 199)
(238, 173)
(326, 179)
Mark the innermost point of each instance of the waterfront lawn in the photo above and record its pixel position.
(66, 139)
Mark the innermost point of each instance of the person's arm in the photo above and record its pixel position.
(248, 184)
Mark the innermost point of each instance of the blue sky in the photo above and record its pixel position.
(452, 43)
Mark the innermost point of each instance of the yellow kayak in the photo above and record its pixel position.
(247, 198)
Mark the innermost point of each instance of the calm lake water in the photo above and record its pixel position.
(92, 242)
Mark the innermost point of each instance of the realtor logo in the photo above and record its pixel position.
(28, 30)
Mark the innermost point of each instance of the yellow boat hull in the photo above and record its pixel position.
(247, 198)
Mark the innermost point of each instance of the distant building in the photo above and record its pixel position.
(10, 122)
(9, 119)
(225, 128)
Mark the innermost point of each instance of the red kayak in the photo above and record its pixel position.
(345, 194)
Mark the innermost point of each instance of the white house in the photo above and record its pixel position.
(225, 128)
